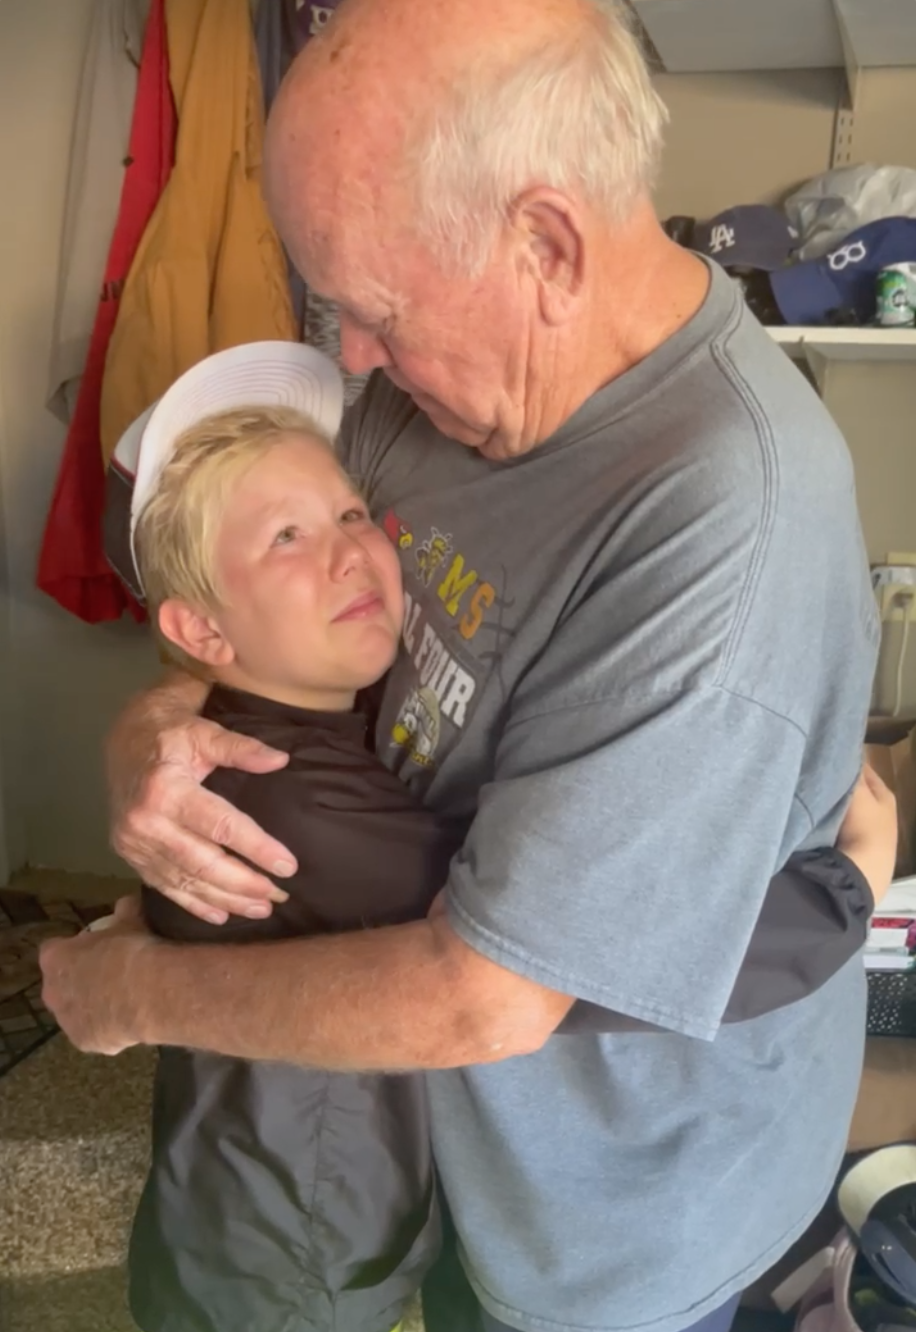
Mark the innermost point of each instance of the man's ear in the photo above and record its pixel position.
(550, 227)
(198, 635)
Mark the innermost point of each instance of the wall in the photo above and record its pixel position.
(11, 850)
(62, 681)
(743, 138)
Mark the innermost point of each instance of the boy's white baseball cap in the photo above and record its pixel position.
(256, 374)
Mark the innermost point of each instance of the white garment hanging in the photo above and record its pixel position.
(101, 135)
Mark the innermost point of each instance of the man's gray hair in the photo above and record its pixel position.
(580, 116)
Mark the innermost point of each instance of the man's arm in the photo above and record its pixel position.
(406, 997)
(411, 996)
(167, 826)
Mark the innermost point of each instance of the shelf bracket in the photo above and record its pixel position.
(819, 365)
(844, 124)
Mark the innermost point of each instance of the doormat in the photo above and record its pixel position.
(25, 922)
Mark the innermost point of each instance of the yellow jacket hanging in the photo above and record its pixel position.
(210, 272)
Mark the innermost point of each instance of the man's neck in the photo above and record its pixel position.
(643, 289)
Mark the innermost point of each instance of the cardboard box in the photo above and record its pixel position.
(886, 1108)
(895, 764)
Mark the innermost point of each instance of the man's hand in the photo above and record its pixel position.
(868, 834)
(81, 974)
(173, 832)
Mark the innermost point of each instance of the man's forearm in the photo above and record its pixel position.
(374, 999)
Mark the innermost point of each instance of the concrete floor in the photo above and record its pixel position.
(74, 1138)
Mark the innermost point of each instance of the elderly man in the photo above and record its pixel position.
(640, 642)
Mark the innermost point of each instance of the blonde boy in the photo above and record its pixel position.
(283, 1197)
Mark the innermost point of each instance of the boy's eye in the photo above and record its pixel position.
(285, 536)
(355, 515)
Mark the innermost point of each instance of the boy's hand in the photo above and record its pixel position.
(173, 832)
(868, 834)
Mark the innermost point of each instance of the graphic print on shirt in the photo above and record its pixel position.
(447, 600)
(431, 554)
(399, 534)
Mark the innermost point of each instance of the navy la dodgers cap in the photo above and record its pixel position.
(749, 236)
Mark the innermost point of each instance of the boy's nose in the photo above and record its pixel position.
(349, 555)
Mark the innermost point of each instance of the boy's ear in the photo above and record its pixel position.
(198, 635)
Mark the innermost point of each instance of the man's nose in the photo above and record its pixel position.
(360, 349)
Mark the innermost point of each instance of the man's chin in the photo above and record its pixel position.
(453, 428)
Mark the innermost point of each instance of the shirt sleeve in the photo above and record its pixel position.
(813, 921)
(623, 850)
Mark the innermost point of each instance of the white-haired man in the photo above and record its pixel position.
(639, 643)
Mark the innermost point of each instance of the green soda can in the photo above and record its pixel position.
(896, 296)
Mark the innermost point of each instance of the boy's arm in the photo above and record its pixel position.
(368, 854)
(814, 920)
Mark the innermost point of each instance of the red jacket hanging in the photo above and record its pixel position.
(72, 567)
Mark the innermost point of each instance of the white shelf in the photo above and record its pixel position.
(702, 36)
(881, 32)
(847, 344)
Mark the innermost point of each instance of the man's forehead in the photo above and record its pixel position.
(349, 246)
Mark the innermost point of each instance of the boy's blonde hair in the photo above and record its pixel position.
(175, 538)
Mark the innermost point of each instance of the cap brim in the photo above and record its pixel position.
(805, 293)
(743, 257)
(256, 374)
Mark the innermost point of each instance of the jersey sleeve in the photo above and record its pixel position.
(813, 921)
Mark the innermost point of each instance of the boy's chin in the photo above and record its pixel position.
(374, 664)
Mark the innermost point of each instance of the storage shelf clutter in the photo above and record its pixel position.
(890, 962)
(891, 1003)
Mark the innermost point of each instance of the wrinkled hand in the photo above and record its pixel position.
(176, 834)
(87, 981)
(868, 834)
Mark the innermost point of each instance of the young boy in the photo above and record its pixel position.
(278, 1197)
(284, 1198)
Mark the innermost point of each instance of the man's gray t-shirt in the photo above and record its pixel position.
(643, 652)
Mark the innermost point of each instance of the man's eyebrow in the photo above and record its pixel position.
(363, 317)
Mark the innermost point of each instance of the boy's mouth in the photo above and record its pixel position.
(369, 603)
